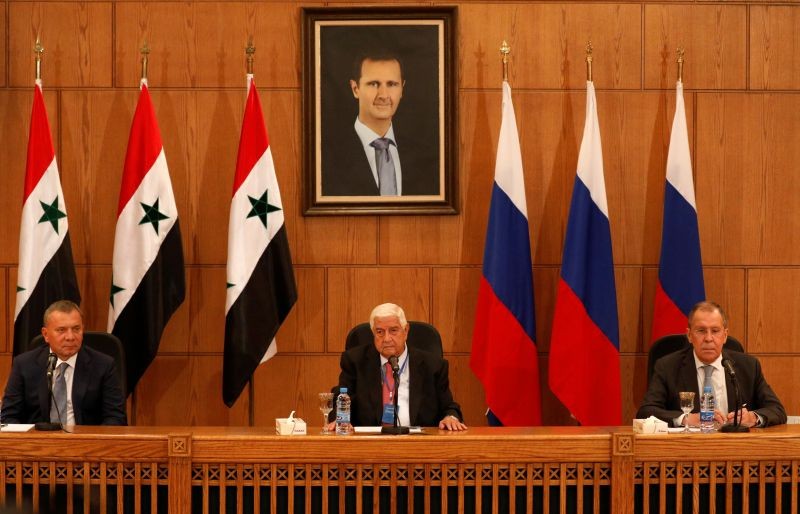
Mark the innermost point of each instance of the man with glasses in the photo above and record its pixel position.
(689, 369)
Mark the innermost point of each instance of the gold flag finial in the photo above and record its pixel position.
(589, 60)
(251, 52)
(145, 51)
(505, 49)
(679, 60)
(38, 49)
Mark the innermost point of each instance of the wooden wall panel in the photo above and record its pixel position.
(3, 47)
(201, 44)
(467, 390)
(288, 383)
(186, 390)
(548, 44)
(455, 296)
(304, 328)
(772, 307)
(6, 313)
(5, 370)
(782, 372)
(714, 37)
(76, 37)
(774, 39)
(748, 197)
(354, 292)
(629, 307)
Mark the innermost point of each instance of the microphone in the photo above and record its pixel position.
(51, 365)
(394, 363)
(49, 426)
(736, 426)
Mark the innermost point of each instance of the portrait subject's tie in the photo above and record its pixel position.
(58, 409)
(387, 180)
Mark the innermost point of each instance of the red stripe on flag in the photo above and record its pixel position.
(253, 141)
(585, 376)
(667, 317)
(40, 144)
(506, 362)
(144, 146)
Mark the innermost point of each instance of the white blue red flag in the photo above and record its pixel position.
(504, 355)
(147, 281)
(584, 347)
(680, 268)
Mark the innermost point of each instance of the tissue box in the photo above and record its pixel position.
(650, 425)
(293, 426)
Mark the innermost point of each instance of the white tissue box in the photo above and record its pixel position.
(293, 426)
(650, 425)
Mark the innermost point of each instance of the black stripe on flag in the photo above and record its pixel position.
(142, 321)
(57, 282)
(255, 316)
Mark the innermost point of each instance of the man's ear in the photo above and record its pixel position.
(354, 88)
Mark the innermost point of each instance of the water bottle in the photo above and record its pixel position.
(343, 426)
(707, 410)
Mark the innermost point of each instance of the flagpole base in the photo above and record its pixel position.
(394, 430)
(46, 426)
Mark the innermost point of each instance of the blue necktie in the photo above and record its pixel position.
(58, 409)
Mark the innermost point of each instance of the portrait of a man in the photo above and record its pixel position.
(380, 133)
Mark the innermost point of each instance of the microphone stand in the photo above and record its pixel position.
(396, 429)
(49, 426)
(736, 426)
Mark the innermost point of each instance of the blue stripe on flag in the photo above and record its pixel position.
(587, 265)
(680, 267)
(507, 259)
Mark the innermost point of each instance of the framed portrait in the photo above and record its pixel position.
(379, 110)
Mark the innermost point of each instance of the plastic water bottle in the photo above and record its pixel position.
(343, 426)
(707, 410)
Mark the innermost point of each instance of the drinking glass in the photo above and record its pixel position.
(687, 404)
(325, 406)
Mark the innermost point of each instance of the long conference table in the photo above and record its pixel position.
(180, 470)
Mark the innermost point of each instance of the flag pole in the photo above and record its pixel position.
(679, 60)
(145, 51)
(250, 52)
(505, 49)
(38, 49)
(589, 61)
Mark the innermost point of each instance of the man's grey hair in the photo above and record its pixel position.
(65, 306)
(386, 310)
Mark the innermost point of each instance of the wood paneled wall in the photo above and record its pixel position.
(742, 80)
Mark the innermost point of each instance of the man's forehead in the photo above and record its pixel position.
(388, 321)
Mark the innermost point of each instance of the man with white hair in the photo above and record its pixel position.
(423, 398)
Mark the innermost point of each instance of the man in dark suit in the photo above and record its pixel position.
(373, 157)
(424, 397)
(93, 395)
(684, 370)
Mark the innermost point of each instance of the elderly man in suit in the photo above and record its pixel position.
(91, 391)
(685, 370)
(424, 397)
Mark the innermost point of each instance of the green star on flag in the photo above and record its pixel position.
(51, 213)
(261, 207)
(152, 215)
(114, 290)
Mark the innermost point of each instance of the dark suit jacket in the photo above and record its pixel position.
(430, 398)
(346, 171)
(96, 392)
(676, 372)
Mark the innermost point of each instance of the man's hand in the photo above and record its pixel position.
(451, 423)
(749, 418)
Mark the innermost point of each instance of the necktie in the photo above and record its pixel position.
(388, 386)
(387, 182)
(707, 380)
(58, 410)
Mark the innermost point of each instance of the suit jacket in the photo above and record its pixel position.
(96, 392)
(676, 372)
(346, 171)
(430, 398)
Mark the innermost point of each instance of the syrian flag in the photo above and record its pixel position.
(680, 268)
(504, 355)
(584, 345)
(261, 287)
(46, 270)
(147, 282)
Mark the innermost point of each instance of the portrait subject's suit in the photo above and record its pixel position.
(96, 392)
(346, 171)
(676, 372)
(430, 398)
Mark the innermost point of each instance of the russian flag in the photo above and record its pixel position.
(584, 346)
(504, 356)
(680, 268)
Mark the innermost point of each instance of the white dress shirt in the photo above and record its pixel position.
(403, 415)
(68, 375)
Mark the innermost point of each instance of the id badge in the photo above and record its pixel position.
(388, 414)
